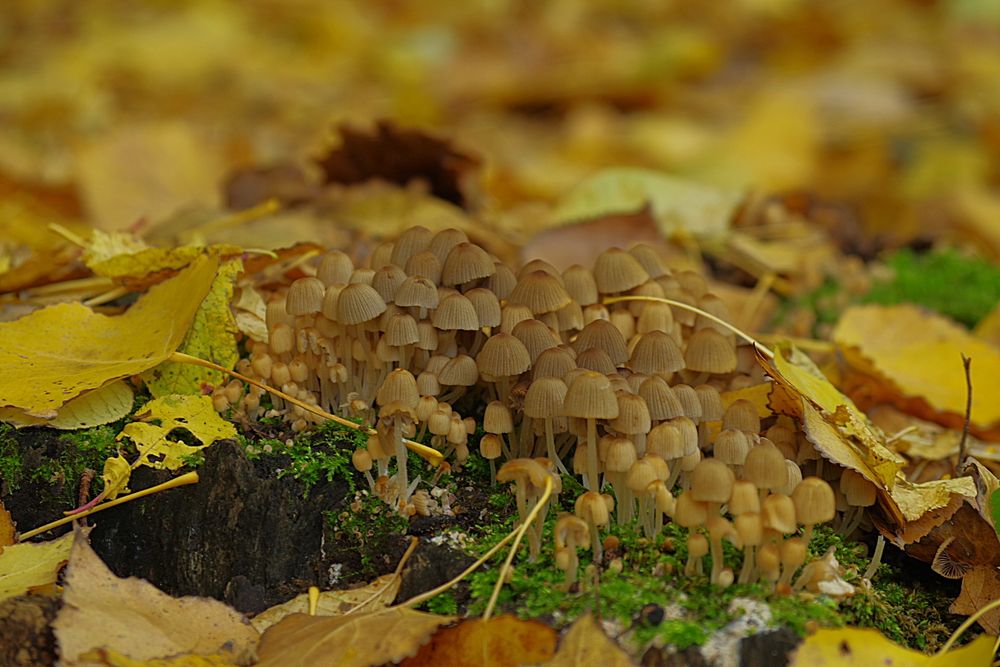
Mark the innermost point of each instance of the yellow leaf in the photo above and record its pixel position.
(251, 312)
(586, 644)
(502, 641)
(334, 603)
(93, 408)
(914, 500)
(110, 658)
(853, 647)
(360, 640)
(210, 337)
(116, 475)
(132, 618)
(677, 205)
(30, 565)
(55, 354)
(194, 414)
(141, 263)
(104, 246)
(920, 354)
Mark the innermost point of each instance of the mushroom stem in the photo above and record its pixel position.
(593, 483)
(550, 447)
(715, 543)
(747, 572)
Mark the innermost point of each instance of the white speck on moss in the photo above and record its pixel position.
(723, 648)
(452, 538)
(334, 573)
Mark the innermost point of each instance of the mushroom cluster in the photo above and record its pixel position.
(634, 396)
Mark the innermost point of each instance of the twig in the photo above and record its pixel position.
(982, 611)
(187, 478)
(967, 364)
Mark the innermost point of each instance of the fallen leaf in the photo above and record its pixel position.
(7, 530)
(333, 603)
(55, 354)
(30, 565)
(678, 206)
(250, 312)
(142, 268)
(132, 618)
(586, 644)
(116, 475)
(212, 337)
(360, 640)
(980, 586)
(93, 408)
(848, 647)
(400, 155)
(110, 658)
(145, 172)
(159, 417)
(914, 500)
(499, 642)
(918, 356)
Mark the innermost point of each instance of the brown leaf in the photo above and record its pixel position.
(581, 243)
(133, 618)
(586, 644)
(498, 642)
(334, 603)
(361, 640)
(401, 155)
(980, 587)
(7, 530)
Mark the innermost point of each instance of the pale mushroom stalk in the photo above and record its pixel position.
(550, 447)
(748, 570)
(593, 478)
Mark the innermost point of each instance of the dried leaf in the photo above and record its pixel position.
(31, 565)
(334, 603)
(918, 355)
(360, 640)
(250, 313)
(110, 658)
(678, 206)
(914, 500)
(161, 416)
(7, 530)
(55, 354)
(132, 618)
(847, 647)
(401, 155)
(499, 642)
(143, 267)
(93, 408)
(586, 644)
(980, 586)
(211, 337)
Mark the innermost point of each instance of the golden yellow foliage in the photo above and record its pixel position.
(334, 603)
(851, 647)
(55, 354)
(156, 420)
(30, 565)
(93, 408)
(586, 644)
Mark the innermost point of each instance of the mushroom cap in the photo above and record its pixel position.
(590, 396)
(711, 481)
(750, 528)
(466, 262)
(606, 336)
(660, 466)
(660, 399)
(623, 321)
(554, 362)
(765, 467)
(486, 305)
(359, 303)
(460, 371)
(446, 239)
(655, 317)
(580, 285)
(620, 455)
(793, 552)
(305, 296)
(597, 360)
(858, 490)
(415, 239)
(490, 446)
(712, 408)
(742, 415)
(424, 264)
(281, 338)
(497, 418)
(570, 317)
(525, 469)
(662, 497)
(503, 355)
(361, 459)
(640, 475)
(400, 385)
(814, 501)
(401, 330)
(387, 281)
(720, 528)
(455, 313)
(744, 498)
(361, 275)
(708, 351)
(512, 314)
(545, 398)
(417, 291)
(688, 512)
(769, 561)
(335, 267)
(502, 282)
(692, 282)
(591, 506)
(656, 352)
(633, 415)
(697, 544)
(778, 513)
(689, 401)
(570, 531)
(713, 305)
(536, 337)
(649, 258)
(732, 447)
(666, 441)
(540, 291)
(617, 271)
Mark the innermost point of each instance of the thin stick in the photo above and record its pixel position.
(183, 480)
(423, 597)
(802, 343)
(680, 304)
(967, 364)
(432, 455)
(532, 515)
(392, 580)
(982, 611)
(110, 295)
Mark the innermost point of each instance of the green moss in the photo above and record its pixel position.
(366, 522)
(11, 466)
(444, 604)
(963, 287)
